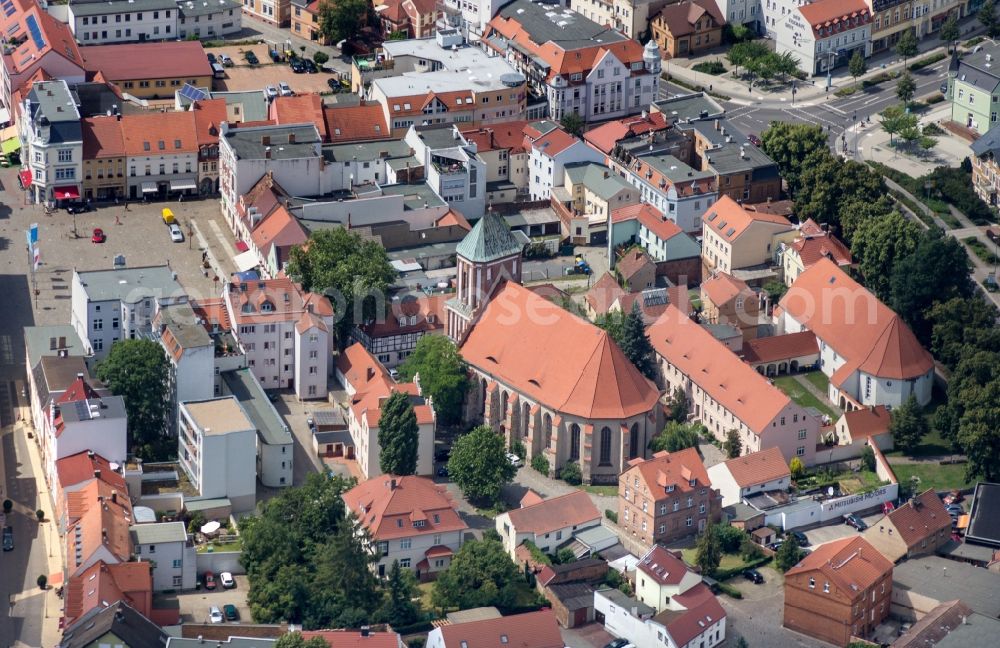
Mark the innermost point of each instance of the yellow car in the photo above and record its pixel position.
(168, 216)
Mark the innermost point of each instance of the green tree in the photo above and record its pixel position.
(775, 290)
(906, 87)
(356, 272)
(743, 54)
(398, 436)
(987, 17)
(949, 30)
(868, 458)
(614, 323)
(788, 555)
(344, 18)
(540, 463)
(827, 182)
(708, 551)
(677, 436)
(678, 405)
(796, 468)
(979, 431)
(742, 643)
(572, 123)
(479, 464)
(789, 145)
(958, 323)
(855, 211)
(749, 550)
(635, 343)
(571, 474)
(443, 375)
(906, 46)
(195, 521)
(908, 426)
(296, 640)
(878, 244)
(481, 574)
(398, 607)
(138, 371)
(857, 65)
(320, 57)
(895, 119)
(564, 556)
(733, 445)
(730, 537)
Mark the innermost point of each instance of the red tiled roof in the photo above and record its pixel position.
(868, 421)
(209, 115)
(531, 497)
(680, 19)
(813, 248)
(300, 109)
(570, 510)
(723, 288)
(359, 367)
(633, 262)
(529, 630)
(158, 60)
(758, 467)
(502, 136)
(729, 219)
(280, 229)
(81, 467)
(774, 207)
(651, 309)
(104, 524)
(354, 638)
(662, 566)
(102, 584)
(427, 309)
(920, 518)
(606, 136)
(156, 134)
(835, 15)
(851, 563)
(102, 138)
(649, 217)
(212, 312)
(702, 610)
(780, 347)
(717, 370)
(78, 390)
(858, 326)
(56, 37)
(604, 293)
(453, 218)
(388, 512)
(373, 385)
(554, 142)
(670, 468)
(556, 358)
(288, 301)
(361, 123)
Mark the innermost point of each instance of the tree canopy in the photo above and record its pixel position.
(906, 46)
(398, 607)
(481, 574)
(827, 182)
(443, 375)
(343, 19)
(572, 123)
(908, 426)
(857, 65)
(678, 405)
(479, 464)
(733, 445)
(398, 436)
(354, 272)
(896, 121)
(708, 551)
(789, 145)
(635, 344)
(139, 372)
(789, 554)
(677, 436)
(878, 244)
(949, 30)
(906, 87)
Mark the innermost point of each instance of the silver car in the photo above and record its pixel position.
(176, 235)
(284, 89)
(214, 615)
(271, 92)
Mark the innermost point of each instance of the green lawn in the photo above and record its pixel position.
(221, 547)
(802, 396)
(932, 475)
(605, 491)
(818, 380)
(729, 561)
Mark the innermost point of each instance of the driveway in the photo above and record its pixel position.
(592, 635)
(757, 616)
(194, 605)
(836, 531)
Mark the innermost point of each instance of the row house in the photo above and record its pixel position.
(551, 150)
(630, 17)
(96, 22)
(687, 28)
(51, 143)
(748, 13)
(128, 583)
(208, 18)
(869, 353)
(276, 13)
(97, 530)
(548, 524)
(409, 18)
(676, 254)
(84, 470)
(974, 89)
(726, 394)
(728, 300)
(304, 20)
(574, 64)
(742, 171)
(585, 199)
(162, 154)
(167, 547)
(679, 191)
(985, 166)
(893, 17)
(739, 237)
(813, 243)
(393, 338)
(666, 498)
(502, 148)
(822, 35)
(103, 158)
(757, 472)
(408, 519)
(150, 70)
(209, 115)
(918, 527)
(452, 167)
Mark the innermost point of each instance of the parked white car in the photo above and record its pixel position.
(284, 89)
(514, 459)
(176, 235)
(214, 615)
(271, 92)
(227, 580)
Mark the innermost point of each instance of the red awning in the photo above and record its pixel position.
(63, 193)
(241, 246)
(25, 178)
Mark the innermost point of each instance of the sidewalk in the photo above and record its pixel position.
(872, 143)
(813, 90)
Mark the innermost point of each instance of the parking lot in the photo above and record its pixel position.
(194, 605)
(244, 77)
(836, 531)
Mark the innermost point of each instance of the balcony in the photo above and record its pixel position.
(445, 166)
(373, 63)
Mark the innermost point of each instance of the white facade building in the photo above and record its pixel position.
(548, 524)
(166, 545)
(548, 158)
(208, 18)
(275, 448)
(190, 350)
(633, 620)
(472, 16)
(822, 35)
(757, 472)
(97, 22)
(52, 142)
(451, 167)
(217, 448)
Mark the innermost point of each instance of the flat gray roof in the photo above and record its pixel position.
(687, 107)
(623, 600)
(946, 580)
(119, 7)
(253, 103)
(415, 195)
(183, 324)
(984, 516)
(975, 630)
(248, 143)
(207, 7)
(568, 29)
(130, 285)
(674, 169)
(192, 505)
(368, 151)
(217, 416)
(108, 407)
(158, 532)
(49, 340)
(244, 386)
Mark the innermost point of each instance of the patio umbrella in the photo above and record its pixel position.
(211, 527)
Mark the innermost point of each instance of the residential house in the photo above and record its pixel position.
(119, 304)
(864, 426)
(364, 122)
(410, 18)
(548, 156)
(660, 576)
(636, 270)
(542, 381)
(578, 65)
(922, 583)
(299, 109)
(78, 472)
(724, 393)
(103, 158)
(735, 237)
(150, 70)
(273, 239)
(814, 243)
(47, 381)
(209, 114)
(748, 13)
(102, 584)
(162, 152)
(670, 185)
(410, 519)
(356, 638)
(275, 460)
(609, 135)
(985, 169)
(452, 168)
(286, 333)
(631, 17)
(839, 591)
(757, 472)
(51, 143)
(189, 349)
(96, 23)
(676, 253)
(870, 355)
(548, 524)
(728, 300)
(502, 148)
(167, 547)
(890, 19)
(918, 527)
(585, 199)
(530, 629)
(273, 12)
(217, 448)
(98, 529)
(304, 20)
(393, 338)
(742, 171)
(775, 355)
(666, 498)
(369, 385)
(687, 28)
(605, 292)
(208, 18)
(974, 89)
(823, 35)
(118, 623)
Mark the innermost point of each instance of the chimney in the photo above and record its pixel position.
(392, 484)
(119, 616)
(265, 140)
(97, 474)
(90, 454)
(717, 125)
(605, 174)
(291, 138)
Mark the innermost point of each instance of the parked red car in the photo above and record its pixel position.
(209, 580)
(98, 236)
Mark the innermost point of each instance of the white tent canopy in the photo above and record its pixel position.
(246, 260)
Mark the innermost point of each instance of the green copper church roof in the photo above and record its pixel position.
(489, 240)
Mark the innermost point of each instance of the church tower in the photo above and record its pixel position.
(488, 254)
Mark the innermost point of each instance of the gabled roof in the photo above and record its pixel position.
(570, 510)
(386, 506)
(851, 563)
(560, 360)
(813, 248)
(300, 109)
(489, 240)
(730, 220)
(152, 60)
(102, 584)
(156, 134)
(634, 261)
(78, 390)
(554, 142)
(361, 123)
(508, 135)
(118, 619)
(675, 469)
(373, 384)
(920, 518)
(649, 217)
(102, 138)
(835, 15)
(529, 630)
(680, 18)
(607, 135)
(281, 230)
(723, 288)
(106, 524)
(288, 301)
(758, 467)
(717, 370)
(868, 421)
(603, 293)
(662, 566)
(355, 638)
(39, 32)
(209, 114)
(84, 466)
(780, 347)
(701, 611)
(859, 327)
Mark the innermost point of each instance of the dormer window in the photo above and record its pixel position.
(267, 307)
(670, 488)
(812, 583)
(692, 482)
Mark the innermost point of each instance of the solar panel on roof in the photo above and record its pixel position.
(192, 93)
(36, 32)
